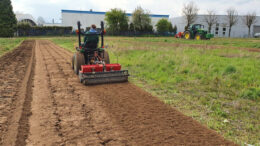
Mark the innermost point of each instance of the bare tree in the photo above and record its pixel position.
(232, 18)
(40, 21)
(210, 19)
(249, 19)
(190, 12)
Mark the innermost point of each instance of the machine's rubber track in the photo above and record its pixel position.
(62, 111)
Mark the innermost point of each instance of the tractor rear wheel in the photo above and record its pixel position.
(198, 37)
(106, 57)
(78, 61)
(187, 35)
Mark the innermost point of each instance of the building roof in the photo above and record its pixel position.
(25, 17)
(103, 13)
(21, 17)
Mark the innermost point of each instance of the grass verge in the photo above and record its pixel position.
(7, 44)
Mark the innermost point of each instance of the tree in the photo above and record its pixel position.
(163, 25)
(40, 21)
(170, 27)
(148, 28)
(210, 19)
(7, 19)
(131, 27)
(116, 21)
(141, 20)
(175, 29)
(249, 19)
(232, 19)
(190, 12)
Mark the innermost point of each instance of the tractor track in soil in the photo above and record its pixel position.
(58, 110)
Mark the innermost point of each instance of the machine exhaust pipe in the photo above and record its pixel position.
(79, 33)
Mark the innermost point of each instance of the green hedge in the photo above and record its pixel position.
(27, 30)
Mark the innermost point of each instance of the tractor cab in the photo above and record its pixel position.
(197, 27)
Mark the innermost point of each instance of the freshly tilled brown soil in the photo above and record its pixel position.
(62, 111)
(16, 72)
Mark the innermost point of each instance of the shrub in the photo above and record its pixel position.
(27, 30)
(185, 71)
(162, 26)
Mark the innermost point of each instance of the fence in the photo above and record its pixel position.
(137, 33)
(44, 31)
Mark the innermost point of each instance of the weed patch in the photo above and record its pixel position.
(230, 69)
(251, 93)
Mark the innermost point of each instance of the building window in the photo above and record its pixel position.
(216, 30)
(224, 31)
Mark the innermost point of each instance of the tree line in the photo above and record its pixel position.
(117, 21)
(190, 12)
(25, 29)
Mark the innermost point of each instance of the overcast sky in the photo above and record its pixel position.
(51, 9)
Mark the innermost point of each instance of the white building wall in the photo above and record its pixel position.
(87, 18)
(239, 30)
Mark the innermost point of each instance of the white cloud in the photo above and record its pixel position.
(50, 9)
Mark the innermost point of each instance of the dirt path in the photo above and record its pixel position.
(64, 112)
(15, 95)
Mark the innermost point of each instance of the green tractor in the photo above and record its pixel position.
(197, 32)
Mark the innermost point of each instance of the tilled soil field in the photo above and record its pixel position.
(16, 70)
(43, 103)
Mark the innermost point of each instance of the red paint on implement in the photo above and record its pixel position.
(91, 68)
(113, 67)
(99, 68)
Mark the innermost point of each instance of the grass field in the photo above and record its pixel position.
(7, 44)
(216, 82)
(218, 87)
(235, 42)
